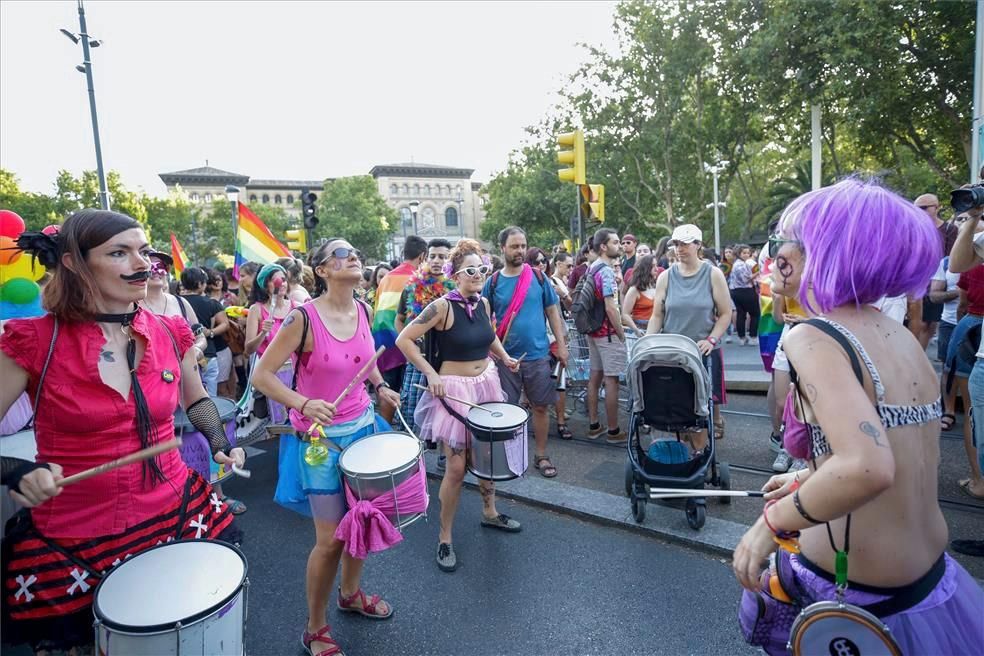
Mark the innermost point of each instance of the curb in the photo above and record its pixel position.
(718, 537)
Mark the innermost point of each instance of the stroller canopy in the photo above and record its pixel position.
(668, 351)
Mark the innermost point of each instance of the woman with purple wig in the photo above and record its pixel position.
(864, 411)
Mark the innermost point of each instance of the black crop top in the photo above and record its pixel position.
(468, 338)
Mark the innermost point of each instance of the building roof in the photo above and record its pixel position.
(204, 175)
(417, 170)
(313, 185)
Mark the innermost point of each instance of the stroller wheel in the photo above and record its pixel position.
(696, 514)
(638, 509)
(629, 478)
(724, 482)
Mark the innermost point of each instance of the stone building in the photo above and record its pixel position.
(204, 184)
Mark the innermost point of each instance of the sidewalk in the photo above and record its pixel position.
(743, 369)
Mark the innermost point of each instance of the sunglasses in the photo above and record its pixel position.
(472, 271)
(776, 243)
(626, 243)
(926, 207)
(342, 253)
(540, 262)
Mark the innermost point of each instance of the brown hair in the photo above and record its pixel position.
(71, 294)
(463, 249)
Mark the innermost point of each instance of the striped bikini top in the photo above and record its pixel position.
(891, 415)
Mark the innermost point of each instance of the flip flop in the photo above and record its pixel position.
(950, 420)
(965, 488)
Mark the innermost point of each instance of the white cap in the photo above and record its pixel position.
(686, 234)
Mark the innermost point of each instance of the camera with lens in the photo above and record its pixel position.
(967, 198)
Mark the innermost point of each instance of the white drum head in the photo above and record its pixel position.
(827, 627)
(379, 454)
(498, 415)
(176, 582)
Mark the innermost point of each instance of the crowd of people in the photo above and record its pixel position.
(859, 279)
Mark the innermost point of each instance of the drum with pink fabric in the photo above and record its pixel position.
(387, 471)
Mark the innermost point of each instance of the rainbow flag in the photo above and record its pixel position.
(384, 320)
(255, 242)
(178, 255)
(769, 330)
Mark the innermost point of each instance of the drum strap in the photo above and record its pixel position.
(452, 412)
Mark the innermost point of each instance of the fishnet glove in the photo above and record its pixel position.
(204, 416)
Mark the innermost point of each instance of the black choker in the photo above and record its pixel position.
(126, 318)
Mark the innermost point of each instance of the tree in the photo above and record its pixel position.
(73, 194)
(37, 210)
(352, 208)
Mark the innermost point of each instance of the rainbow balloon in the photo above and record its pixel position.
(20, 295)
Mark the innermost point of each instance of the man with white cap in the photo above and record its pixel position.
(692, 299)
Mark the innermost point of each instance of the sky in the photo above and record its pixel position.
(285, 90)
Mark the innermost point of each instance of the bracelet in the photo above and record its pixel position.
(782, 535)
(801, 511)
(381, 386)
(713, 340)
(301, 409)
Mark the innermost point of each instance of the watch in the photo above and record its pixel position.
(380, 386)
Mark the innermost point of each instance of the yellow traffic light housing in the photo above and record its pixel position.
(593, 202)
(297, 240)
(571, 153)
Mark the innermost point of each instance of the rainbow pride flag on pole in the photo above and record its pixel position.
(384, 321)
(769, 331)
(255, 242)
(178, 255)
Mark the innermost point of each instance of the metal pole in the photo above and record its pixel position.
(194, 237)
(461, 217)
(717, 213)
(815, 144)
(235, 227)
(977, 121)
(87, 64)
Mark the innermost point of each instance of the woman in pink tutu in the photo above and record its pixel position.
(461, 330)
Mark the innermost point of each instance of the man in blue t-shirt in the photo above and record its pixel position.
(527, 338)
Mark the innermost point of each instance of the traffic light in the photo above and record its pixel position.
(572, 153)
(297, 240)
(593, 202)
(308, 210)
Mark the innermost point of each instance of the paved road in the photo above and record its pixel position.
(562, 586)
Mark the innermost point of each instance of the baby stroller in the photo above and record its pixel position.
(671, 390)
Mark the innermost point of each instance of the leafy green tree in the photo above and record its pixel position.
(352, 208)
(37, 210)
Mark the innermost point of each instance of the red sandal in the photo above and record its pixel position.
(321, 635)
(367, 606)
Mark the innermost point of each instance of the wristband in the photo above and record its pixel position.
(713, 340)
(782, 535)
(799, 508)
(381, 386)
(301, 409)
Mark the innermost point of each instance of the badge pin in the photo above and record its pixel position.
(168, 376)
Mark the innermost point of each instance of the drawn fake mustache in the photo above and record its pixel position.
(134, 277)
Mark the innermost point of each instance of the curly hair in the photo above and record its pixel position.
(463, 249)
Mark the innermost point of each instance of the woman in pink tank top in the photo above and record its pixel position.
(336, 345)
(269, 306)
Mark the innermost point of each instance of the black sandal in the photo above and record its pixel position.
(564, 433)
(547, 470)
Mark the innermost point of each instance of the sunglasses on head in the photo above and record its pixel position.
(926, 207)
(776, 243)
(472, 271)
(342, 253)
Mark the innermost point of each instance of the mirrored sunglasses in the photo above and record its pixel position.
(342, 253)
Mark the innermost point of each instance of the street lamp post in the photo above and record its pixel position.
(86, 67)
(232, 193)
(716, 171)
(414, 208)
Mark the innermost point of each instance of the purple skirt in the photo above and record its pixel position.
(278, 412)
(949, 620)
(17, 416)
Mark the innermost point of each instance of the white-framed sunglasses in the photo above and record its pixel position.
(472, 271)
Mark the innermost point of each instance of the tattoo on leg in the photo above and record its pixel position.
(871, 431)
(106, 355)
(457, 451)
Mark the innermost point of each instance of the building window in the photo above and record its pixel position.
(406, 190)
(451, 217)
(290, 199)
(266, 198)
(393, 190)
(407, 217)
(194, 198)
(448, 189)
(277, 199)
(208, 198)
(427, 190)
(427, 218)
(416, 190)
(252, 198)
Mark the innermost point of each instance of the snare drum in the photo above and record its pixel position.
(499, 441)
(195, 450)
(185, 598)
(388, 463)
(831, 627)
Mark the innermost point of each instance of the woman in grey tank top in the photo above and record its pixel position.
(692, 299)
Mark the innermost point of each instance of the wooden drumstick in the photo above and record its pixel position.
(137, 456)
(359, 377)
(457, 400)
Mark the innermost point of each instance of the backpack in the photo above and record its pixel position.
(589, 314)
(540, 278)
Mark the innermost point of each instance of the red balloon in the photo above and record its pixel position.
(11, 225)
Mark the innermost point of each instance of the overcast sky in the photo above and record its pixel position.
(283, 89)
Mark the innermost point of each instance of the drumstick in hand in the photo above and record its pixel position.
(457, 400)
(359, 377)
(137, 456)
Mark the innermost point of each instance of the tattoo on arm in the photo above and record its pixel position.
(426, 315)
(106, 355)
(871, 431)
(289, 320)
(811, 393)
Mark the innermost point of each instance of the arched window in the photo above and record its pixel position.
(407, 217)
(277, 199)
(266, 198)
(252, 198)
(447, 188)
(416, 190)
(451, 217)
(290, 199)
(194, 198)
(393, 190)
(406, 190)
(208, 198)
(427, 190)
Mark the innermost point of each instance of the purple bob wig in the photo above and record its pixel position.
(861, 242)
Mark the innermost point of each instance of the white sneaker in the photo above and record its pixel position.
(727, 339)
(782, 462)
(798, 464)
